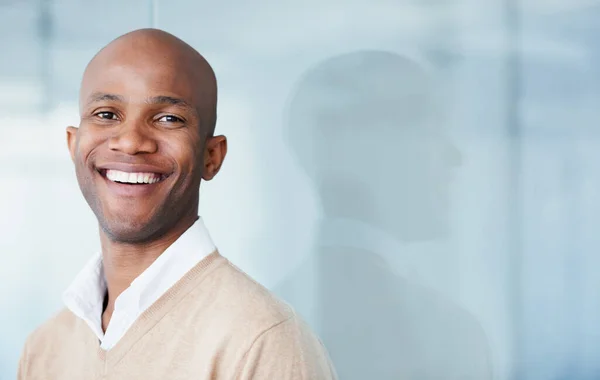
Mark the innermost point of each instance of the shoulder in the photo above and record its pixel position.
(48, 338)
(235, 305)
(287, 350)
(59, 325)
(264, 332)
(246, 298)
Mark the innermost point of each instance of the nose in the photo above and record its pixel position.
(133, 138)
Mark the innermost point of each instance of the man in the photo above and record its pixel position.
(160, 302)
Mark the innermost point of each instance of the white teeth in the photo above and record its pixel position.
(125, 177)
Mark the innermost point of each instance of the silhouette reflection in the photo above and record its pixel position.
(365, 127)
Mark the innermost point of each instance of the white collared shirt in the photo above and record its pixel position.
(85, 296)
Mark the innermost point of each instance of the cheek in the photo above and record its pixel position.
(82, 153)
(186, 152)
(89, 145)
(189, 168)
(190, 161)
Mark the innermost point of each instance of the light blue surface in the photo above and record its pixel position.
(429, 212)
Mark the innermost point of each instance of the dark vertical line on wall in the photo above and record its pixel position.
(515, 201)
(45, 40)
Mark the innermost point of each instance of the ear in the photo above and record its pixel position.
(214, 154)
(72, 141)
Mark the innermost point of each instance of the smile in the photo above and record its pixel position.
(132, 178)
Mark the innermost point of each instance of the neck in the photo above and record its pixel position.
(124, 262)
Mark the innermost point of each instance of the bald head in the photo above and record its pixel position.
(165, 61)
(148, 110)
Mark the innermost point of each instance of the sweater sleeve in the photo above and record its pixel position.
(287, 351)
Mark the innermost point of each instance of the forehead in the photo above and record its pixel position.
(136, 77)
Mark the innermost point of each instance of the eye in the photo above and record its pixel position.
(106, 115)
(170, 119)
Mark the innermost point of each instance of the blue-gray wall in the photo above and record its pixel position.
(418, 178)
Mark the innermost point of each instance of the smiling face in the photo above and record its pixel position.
(145, 137)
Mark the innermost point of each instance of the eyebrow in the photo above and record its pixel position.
(102, 97)
(160, 99)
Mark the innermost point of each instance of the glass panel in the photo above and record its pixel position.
(419, 177)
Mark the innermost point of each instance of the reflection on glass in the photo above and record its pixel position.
(365, 127)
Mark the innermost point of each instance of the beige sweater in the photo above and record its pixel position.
(215, 323)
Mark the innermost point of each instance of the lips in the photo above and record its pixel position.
(131, 180)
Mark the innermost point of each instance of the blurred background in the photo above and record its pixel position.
(416, 177)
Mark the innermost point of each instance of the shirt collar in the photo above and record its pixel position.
(85, 296)
(191, 247)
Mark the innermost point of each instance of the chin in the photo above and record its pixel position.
(130, 231)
